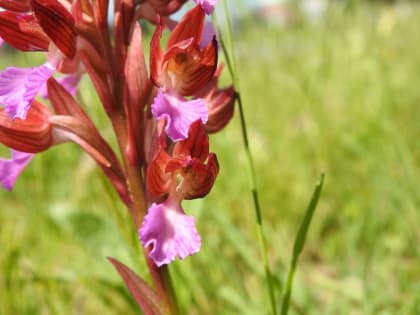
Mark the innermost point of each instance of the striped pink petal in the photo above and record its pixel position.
(169, 232)
(19, 86)
(179, 113)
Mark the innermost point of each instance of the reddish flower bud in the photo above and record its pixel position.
(189, 157)
(193, 179)
(189, 173)
(184, 67)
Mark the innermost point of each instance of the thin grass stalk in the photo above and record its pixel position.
(299, 243)
(231, 63)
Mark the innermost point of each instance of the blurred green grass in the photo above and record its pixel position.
(341, 96)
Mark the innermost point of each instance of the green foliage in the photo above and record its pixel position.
(341, 96)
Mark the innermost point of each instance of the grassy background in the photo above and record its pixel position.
(341, 96)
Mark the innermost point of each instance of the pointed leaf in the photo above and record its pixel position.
(303, 229)
(64, 103)
(135, 70)
(85, 24)
(101, 13)
(144, 295)
(138, 89)
(98, 77)
(190, 26)
(87, 136)
(299, 242)
(156, 55)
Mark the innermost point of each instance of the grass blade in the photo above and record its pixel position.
(299, 243)
(230, 60)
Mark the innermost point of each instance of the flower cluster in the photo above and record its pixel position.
(161, 116)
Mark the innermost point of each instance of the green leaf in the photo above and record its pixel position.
(299, 243)
(303, 229)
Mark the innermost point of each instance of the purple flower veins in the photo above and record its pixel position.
(19, 86)
(170, 232)
(179, 113)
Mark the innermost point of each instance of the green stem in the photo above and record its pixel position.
(250, 163)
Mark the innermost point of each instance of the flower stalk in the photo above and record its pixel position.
(231, 62)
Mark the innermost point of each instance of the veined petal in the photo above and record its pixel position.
(19, 86)
(220, 103)
(199, 180)
(190, 26)
(195, 146)
(32, 135)
(11, 168)
(157, 180)
(207, 5)
(58, 23)
(179, 113)
(170, 232)
(188, 68)
(22, 31)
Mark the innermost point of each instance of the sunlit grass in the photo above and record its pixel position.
(340, 96)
